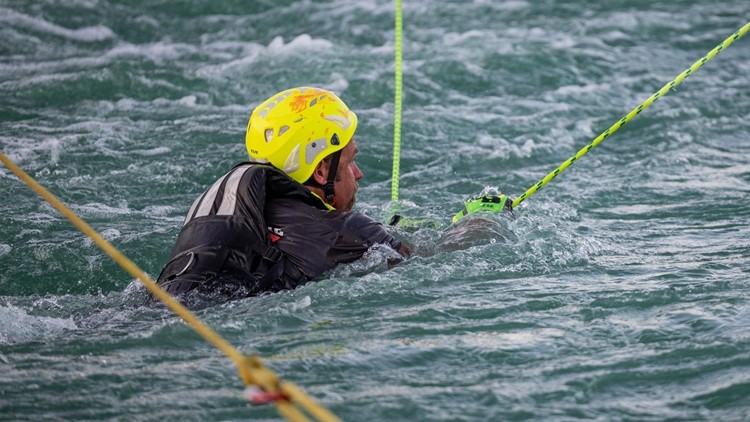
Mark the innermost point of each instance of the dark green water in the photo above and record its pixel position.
(619, 292)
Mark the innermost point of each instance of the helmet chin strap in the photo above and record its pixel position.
(328, 187)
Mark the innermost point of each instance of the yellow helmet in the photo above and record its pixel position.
(296, 129)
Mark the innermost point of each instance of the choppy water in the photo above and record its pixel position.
(619, 292)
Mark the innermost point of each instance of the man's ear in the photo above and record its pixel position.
(320, 174)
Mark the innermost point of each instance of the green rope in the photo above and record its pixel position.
(697, 65)
(397, 107)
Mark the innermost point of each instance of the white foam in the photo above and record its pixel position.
(339, 83)
(504, 5)
(513, 340)
(38, 218)
(159, 210)
(579, 90)
(110, 234)
(85, 34)
(17, 326)
(452, 38)
(102, 209)
(301, 42)
(5, 249)
(21, 149)
(189, 100)
(250, 53)
(135, 287)
(53, 70)
(302, 303)
(498, 147)
(151, 151)
(154, 51)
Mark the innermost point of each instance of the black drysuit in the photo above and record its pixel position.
(257, 230)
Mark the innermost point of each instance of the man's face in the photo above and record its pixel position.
(345, 187)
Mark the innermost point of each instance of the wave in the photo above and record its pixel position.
(18, 326)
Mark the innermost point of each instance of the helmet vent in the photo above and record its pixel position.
(269, 135)
(283, 129)
(292, 161)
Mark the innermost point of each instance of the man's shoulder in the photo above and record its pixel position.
(362, 224)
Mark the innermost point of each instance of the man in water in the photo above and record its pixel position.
(285, 217)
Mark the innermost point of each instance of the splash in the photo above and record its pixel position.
(17, 326)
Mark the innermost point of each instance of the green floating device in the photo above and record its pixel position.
(491, 203)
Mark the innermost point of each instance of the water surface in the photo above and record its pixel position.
(619, 292)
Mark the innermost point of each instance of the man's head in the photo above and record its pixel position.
(296, 129)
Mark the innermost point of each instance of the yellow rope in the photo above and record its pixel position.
(251, 369)
(397, 106)
(612, 129)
